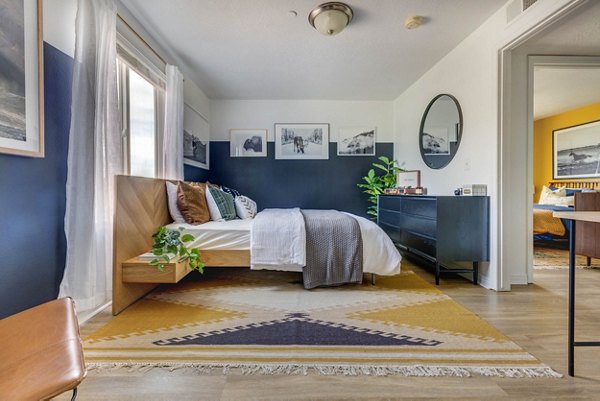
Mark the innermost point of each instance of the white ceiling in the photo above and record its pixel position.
(241, 49)
(557, 90)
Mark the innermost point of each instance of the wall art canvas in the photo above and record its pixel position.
(196, 139)
(301, 141)
(576, 151)
(356, 141)
(436, 141)
(248, 143)
(21, 78)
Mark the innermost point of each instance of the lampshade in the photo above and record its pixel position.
(330, 18)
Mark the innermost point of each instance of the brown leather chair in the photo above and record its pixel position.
(40, 352)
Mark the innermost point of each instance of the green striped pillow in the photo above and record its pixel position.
(224, 202)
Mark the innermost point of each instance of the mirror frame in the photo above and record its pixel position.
(460, 121)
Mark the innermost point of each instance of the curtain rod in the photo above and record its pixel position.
(142, 39)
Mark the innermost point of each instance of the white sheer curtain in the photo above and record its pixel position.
(94, 157)
(172, 154)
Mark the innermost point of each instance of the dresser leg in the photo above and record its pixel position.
(475, 272)
(589, 261)
(437, 274)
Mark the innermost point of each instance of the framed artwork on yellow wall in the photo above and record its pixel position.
(576, 151)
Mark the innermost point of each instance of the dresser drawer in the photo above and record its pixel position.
(425, 207)
(408, 222)
(414, 242)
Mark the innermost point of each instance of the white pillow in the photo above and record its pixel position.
(245, 207)
(172, 202)
(565, 201)
(550, 197)
(213, 209)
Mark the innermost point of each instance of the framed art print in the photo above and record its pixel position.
(21, 78)
(301, 141)
(576, 151)
(356, 141)
(196, 139)
(248, 143)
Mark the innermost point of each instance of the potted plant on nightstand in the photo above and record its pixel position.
(170, 243)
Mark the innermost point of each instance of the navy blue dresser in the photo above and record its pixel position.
(440, 229)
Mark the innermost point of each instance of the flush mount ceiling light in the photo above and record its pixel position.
(330, 18)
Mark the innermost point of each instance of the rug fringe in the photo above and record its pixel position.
(332, 370)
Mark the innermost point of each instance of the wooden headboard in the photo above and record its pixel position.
(141, 208)
(576, 184)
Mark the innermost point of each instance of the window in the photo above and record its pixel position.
(141, 99)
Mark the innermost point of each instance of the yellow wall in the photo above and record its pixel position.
(542, 140)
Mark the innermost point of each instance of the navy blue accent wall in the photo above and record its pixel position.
(32, 201)
(310, 184)
(191, 173)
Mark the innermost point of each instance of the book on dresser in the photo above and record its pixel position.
(441, 229)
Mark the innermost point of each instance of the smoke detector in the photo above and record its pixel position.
(413, 22)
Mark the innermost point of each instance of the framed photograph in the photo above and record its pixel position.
(436, 141)
(301, 141)
(21, 78)
(576, 151)
(196, 139)
(410, 178)
(248, 143)
(356, 141)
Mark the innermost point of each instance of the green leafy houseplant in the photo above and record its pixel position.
(374, 183)
(168, 243)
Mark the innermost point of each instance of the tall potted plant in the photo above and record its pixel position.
(374, 183)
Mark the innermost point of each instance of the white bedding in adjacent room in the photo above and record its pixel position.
(380, 256)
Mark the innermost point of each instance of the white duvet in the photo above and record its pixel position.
(380, 256)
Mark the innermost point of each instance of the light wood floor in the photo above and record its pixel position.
(534, 316)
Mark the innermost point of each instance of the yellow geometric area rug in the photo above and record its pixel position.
(260, 322)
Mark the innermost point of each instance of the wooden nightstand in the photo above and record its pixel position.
(136, 270)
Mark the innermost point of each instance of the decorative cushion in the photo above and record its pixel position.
(245, 207)
(172, 202)
(230, 191)
(552, 197)
(220, 204)
(565, 201)
(191, 200)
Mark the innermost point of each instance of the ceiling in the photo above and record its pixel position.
(240, 49)
(557, 90)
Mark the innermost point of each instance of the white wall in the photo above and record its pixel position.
(471, 72)
(231, 114)
(59, 24)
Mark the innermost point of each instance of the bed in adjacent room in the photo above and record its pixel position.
(558, 196)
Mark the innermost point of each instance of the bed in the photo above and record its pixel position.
(141, 207)
(550, 231)
(379, 253)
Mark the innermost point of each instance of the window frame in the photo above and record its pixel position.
(130, 58)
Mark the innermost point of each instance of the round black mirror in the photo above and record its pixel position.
(441, 130)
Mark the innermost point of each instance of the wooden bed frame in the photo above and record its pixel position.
(141, 208)
(576, 184)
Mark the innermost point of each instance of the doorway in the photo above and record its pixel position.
(572, 34)
(565, 114)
